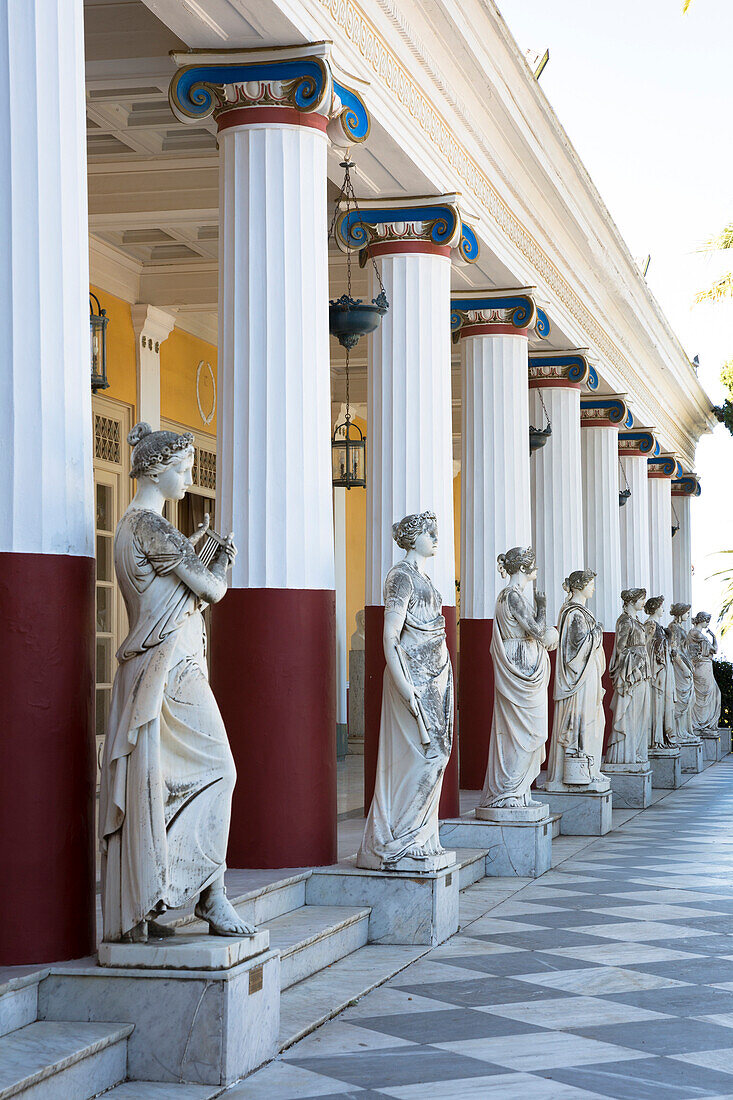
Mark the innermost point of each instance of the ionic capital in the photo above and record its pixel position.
(639, 443)
(663, 466)
(292, 85)
(497, 313)
(609, 411)
(431, 225)
(565, 369)
(686, 485)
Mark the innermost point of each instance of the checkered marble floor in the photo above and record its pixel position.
(611, 976)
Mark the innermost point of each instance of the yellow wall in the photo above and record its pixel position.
(180, 356)
(121, 369)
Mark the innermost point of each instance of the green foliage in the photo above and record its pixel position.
(723, 672)
(724, 414)
(726, 376)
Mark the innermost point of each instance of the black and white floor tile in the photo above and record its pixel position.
(610, 976)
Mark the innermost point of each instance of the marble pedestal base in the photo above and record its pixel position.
(521, 848)
(512, 815)
(666, 765)
(185, 951)
(711, 749)
(406, 908)
(691, 757)
(584, 813)
(726, 741)
(631, 785)
(207, 1027)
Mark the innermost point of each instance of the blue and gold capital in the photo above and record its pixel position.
(513, 307)
(555, 368)
(686, 485)
(640, 442)
(611, 410)
(433, 220)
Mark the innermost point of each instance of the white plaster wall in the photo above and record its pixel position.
(682, 553)
(660, 538)
(495, 493)
(557, 502)
(274, 412)
(634, 525)
(46, 436)
(409, 448)
(601, 519)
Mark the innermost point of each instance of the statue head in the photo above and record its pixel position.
(679, 610)
(580, 580)
(633, 597)
(654, 604)
(166, 458)
(701, 619)
(517, 560)
(418, 531)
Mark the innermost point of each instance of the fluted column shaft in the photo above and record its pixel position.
(682, 551)
(601, 519)
(660, 538)
(634, 524)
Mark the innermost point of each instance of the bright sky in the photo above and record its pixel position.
(644, 94)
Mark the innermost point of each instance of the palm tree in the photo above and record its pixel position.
(722, 288)
(725, 617)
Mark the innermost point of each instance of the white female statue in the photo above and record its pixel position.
(167, 771)
(629, 669)
(519, 646)
(416, 730)
(683, 677)
(701, 647)
(662, 698)
(577, 740)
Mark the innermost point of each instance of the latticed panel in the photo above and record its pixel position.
(107, 439)
(204, 471)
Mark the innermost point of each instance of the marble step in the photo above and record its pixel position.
(310, 1003)
(60, 1061)
(316, 936)
(262, 902)
(155, 1090)
(19, 1001)
(472, 866)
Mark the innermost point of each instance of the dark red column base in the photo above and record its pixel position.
(273, 663)
(475, 700)
(373, 675)
(609, 637)
(47, 769)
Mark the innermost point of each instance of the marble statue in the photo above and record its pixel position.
(576, 750)
(701, 646)
(416, 729)
(519, 649)
(683, 677)
(629, 738)
(662, 692)
(167, 770)
(358, 638)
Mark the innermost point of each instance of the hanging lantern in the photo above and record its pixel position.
(351, 318)
(538, 436)
(348, 455)
(623, 494)
(98, 321)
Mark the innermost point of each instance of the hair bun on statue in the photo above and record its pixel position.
(138, 432)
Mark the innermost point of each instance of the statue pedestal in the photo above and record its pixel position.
(185, 951)
(207, 1027)
(512, 815)
(711, 749)
(691, 757)
(666, 765)
(519, 848)
(726, 745)
(631, 785)
(584, 812)
(356, 702)
(406, 907)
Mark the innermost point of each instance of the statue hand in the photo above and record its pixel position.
(407, 693)
(201, 530)
(229, 551)
(540, 599)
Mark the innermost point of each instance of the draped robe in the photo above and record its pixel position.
(579, 719)
(706, 708)
(629, 669)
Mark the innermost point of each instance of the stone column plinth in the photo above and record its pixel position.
(410, 452)
(659, 473)
(634, 448)
(683, 490)
(273, 636)
(47, 768)
(495, 494)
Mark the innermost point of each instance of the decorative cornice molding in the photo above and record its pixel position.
(561, 368)
(295, 79)
(434, 221)
(152, 326)
(609, 411)
(639, 443)
(506, 310)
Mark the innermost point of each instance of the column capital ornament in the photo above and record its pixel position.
(609, 411)
(686, 485)
(664, 466)
(431, 224)
(511, 312)
(569, 369)
(294, 85)
(641, 442)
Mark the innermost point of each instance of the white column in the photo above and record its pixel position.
(557, 500)
(342, 631)
(634, 523)
(495, 464)
(599, 418)
(660, 536)
(152, 326)
(410, 451)
(682, 550)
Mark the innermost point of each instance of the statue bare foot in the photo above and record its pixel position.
(221, 916)
(160, 931)
(138, 934)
